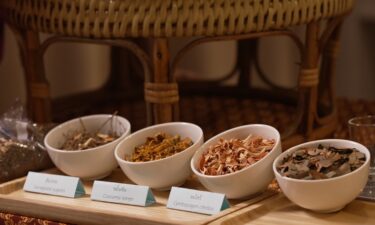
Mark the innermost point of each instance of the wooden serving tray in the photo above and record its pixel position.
(279, 210)
(84, 211)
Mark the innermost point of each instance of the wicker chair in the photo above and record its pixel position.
(116, 22)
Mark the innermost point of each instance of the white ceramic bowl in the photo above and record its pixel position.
(326, 195)
(248, 181)
(93, 163)
(164, 173)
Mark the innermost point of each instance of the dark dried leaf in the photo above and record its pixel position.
(321, 162)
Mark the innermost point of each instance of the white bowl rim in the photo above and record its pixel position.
(294, 148)
(152, 127)
(126, 132)
(352, 121)
(278, 139)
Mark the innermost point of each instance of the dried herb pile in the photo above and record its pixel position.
(159, 146)
(321, 163)
(229, 156)
(16, 159)
(82, 140)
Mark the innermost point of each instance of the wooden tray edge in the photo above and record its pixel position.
(45, 210)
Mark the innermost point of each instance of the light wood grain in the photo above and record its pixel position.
(279, 210)
(10, 186)
(84, 211)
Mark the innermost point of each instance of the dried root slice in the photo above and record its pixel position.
(81, 140)
(321, 162)
(229, 156)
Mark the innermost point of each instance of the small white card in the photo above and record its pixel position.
(122, 193)
(54, 185)
(21, 128)
(197, 201)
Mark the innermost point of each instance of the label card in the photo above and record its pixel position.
(54, 185)
(122, 193)
(197, 201)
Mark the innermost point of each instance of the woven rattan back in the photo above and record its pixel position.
(167, 18)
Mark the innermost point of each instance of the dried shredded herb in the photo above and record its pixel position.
(321, 162)
(229, 156)
(81, 139)
(159, 146)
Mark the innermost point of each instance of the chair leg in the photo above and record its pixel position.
(309, 78)
(246, 53)
(163, 110)
(327, 97)
(37, 87)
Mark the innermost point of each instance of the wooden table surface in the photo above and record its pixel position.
(279, 210)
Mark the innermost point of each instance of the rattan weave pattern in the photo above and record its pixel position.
(167, 18)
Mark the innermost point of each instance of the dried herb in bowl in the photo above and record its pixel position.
(159, 146)
(81, 139)
(321, 162)
(229, 156)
